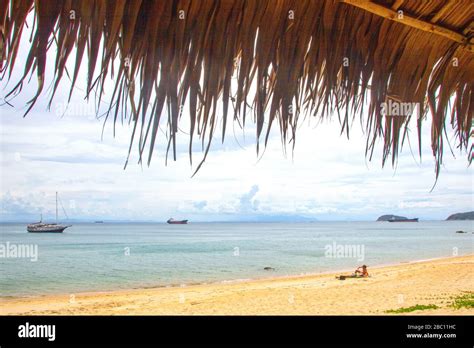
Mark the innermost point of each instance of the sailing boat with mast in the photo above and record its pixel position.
(40, 227)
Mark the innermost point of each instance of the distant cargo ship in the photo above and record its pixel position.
(402, 220)
(177, 222)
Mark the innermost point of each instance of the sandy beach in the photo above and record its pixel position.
(432, 282)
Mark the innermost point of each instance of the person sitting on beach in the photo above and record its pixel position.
(362, 271)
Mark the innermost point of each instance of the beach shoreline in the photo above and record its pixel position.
(390, 287)
(222, 282)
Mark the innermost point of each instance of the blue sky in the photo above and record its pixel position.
(327, 178)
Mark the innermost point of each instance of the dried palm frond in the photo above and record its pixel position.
(286, 57)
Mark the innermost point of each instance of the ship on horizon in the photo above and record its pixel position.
(172, 221)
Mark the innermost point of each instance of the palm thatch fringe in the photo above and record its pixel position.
(289, 57)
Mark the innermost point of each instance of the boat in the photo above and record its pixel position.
(402, 220)
(177, 222)
(98, 222)
(41, 227)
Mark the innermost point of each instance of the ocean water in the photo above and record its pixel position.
(95, 257)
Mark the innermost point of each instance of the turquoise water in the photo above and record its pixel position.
(91, 257)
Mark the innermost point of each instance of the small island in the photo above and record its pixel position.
(391, 217)
(461, 216)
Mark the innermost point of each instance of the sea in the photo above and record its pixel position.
(111, 256)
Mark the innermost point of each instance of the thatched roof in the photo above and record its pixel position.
(270, 61)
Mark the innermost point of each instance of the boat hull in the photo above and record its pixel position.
(46, 229)
(175, 222)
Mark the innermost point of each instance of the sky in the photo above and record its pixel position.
(327, 178)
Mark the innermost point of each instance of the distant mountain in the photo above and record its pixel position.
(391, 217)
(462, 216)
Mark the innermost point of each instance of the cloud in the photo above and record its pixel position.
(419, 204)
(11, 207)
(247, 201)
(200, 204)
